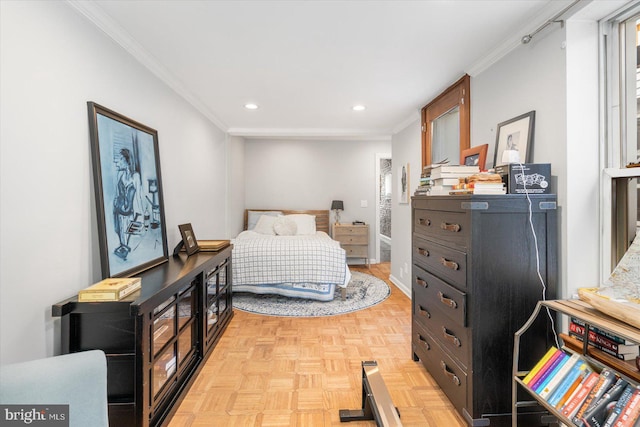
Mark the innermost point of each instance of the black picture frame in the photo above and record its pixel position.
(189, 239)
(128, 193)
(515, 135)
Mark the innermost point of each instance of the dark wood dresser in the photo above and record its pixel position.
(474, 284)
(157, 339)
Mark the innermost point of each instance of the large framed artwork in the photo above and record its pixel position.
(514, 140)
(128, 192)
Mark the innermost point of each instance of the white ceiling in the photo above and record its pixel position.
(306, 63)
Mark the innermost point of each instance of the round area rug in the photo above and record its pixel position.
(364, 290)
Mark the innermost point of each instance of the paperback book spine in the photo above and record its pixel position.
(597, 415)
(620, 404)
(560, 375)
(538, 366)
(570, 408)
(551, 374)
(604, 382)
(574, 377)
(551, 363)
(631, 412)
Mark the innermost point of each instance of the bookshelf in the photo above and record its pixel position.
(596, 358)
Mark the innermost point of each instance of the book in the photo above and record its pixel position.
(630, 412)
(537, 379)
(574, 387)
(574, 403)
(536, 368)
(604, 382)
(575, 375)
(212, 245)
(599, 412)
(559, 376)
(445, 181)
(620, 404)
(628, 352)
(602, 341)
(451, 171)
(111, 289)
(602, 332)
(552, 372)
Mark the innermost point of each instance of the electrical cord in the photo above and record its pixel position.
(535, 241)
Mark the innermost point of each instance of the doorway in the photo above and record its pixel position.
(384, 189)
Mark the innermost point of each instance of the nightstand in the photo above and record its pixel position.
(354, 239)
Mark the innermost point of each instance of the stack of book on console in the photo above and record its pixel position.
(583, 395)
(609, 343)
(480, 183)
(112, 289)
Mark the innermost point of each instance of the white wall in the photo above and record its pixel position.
(53, 61)
(406, 148)
(236, 186)
(293, 174)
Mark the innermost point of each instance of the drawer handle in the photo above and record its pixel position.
(450, 337)
(424, 312)
(453, 377)
(423, 252)
(422, 282)
(447, 301)
(449, 264)
(424, 221)
(454, 228)
(425, 342)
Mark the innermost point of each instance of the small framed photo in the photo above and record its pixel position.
(188, 239)
(475, 156)
(514, 140)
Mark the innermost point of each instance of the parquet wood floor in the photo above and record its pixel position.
(280, 371)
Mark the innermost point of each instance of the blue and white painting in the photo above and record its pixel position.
(131, 196)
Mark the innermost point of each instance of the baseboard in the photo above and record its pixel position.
(404, 288)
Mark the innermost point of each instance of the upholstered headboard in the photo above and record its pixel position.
(322, 216)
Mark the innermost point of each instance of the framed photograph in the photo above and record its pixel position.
(403, 183)
(128, 193)
(475, 156)
(514, 140)
(188, 239)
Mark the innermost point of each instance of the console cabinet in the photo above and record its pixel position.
(474, 282)
(156, 339)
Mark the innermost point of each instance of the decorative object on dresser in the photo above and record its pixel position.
(188, 239)
(157, 340)
(354, 239)
(474, 282)
(363, 291)
(128, 193)
(514, 140)
(289, 253)
(112, 289)
(337, 206)
(475, 156)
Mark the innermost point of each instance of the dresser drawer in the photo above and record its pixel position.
(451, 378)
(356, 251)
(354, 239)
(447, 263)
(450, 335)
(450, 227)
(429, 290)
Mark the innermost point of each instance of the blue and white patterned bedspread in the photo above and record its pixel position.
(297, 266)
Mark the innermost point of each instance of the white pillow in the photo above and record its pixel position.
(254, 216)
(306, 223)
(285, 226)
(265, 225)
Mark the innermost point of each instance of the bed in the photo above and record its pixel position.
(289, 253)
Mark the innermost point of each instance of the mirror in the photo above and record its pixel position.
(445, 137)
(446, 127)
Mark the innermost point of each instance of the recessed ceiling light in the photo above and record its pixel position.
(359, 108)
(251, 106)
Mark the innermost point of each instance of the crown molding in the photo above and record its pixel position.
(108, 26)
(312, 134)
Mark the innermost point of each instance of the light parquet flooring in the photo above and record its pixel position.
(280, 371)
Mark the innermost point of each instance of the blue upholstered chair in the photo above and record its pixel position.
(76, 379)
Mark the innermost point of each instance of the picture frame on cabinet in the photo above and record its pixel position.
(189, 239)
(475, 156)
(514, 140)
(403, 183)
(128, 193)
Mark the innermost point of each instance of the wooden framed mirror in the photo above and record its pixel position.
(446, 124)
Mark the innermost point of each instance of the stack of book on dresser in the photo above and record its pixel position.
(440, 179)
(581, 394)
(604, 341)
(111, 289)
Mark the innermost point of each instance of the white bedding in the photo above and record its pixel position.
(303, 266)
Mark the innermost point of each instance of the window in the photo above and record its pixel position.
(621, 130)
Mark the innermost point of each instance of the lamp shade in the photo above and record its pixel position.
(337, 205)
